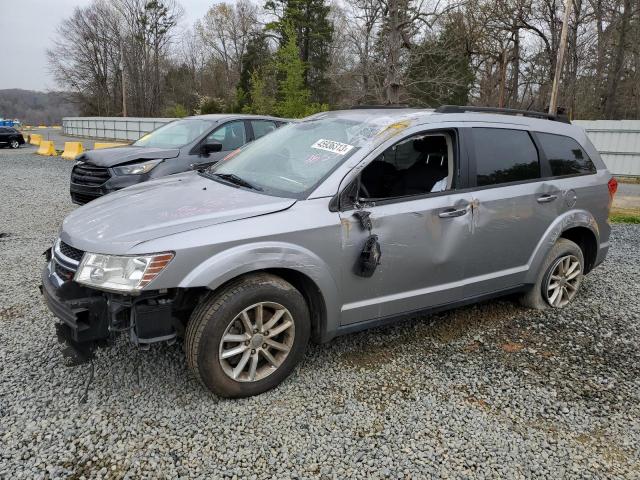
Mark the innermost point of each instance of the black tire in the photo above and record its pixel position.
(14, 143)
(217, 311)
(536, 297)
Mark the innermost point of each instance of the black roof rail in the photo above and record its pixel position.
(502, 111)
(373, 107)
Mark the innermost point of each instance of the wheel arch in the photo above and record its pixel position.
(578, 226)
(299, 267)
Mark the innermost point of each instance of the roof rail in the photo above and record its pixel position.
(502, 111)
(373, 107)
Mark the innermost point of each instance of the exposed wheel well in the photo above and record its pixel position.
(311, 294)
(587, 242)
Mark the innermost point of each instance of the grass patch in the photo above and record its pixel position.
(624, 218)
(624, 215)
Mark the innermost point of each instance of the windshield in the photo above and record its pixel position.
(294, 159)
(175, 134)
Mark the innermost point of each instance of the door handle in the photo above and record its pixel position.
(546, 198)
(452, 212)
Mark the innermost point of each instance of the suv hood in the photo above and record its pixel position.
(117, 222)
(110, 157)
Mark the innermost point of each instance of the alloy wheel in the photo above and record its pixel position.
(256, 342)
(564, 281)
(14, 144)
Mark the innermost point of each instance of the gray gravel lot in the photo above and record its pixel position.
(486, 391)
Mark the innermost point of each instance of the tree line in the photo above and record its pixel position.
(296, 57)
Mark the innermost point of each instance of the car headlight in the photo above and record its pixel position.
(136, 168)
(128, 274)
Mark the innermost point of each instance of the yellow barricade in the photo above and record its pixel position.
(99, 145)
(72, 150)
(36, 138)
(47, 148)
(42, 126)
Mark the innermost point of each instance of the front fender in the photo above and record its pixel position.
(228, 264)
(570, 219)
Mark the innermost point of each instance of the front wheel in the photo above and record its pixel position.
(247, 337)
(14, 144)
(559, 279)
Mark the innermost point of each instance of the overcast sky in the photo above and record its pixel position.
(26, 30)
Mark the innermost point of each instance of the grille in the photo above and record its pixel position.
(69, 251)
(81, 198)
(87, 174)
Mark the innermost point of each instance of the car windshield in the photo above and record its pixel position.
(294, 159)
(175, 134)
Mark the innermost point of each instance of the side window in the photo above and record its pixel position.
(262, 127)
(566, 156)
(231, 135)
(504, 156)
(416, 165)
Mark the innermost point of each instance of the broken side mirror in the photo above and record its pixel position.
(210, 146)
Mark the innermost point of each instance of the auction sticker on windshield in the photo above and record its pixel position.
(333, 147)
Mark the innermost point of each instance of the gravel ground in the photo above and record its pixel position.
(491, 390)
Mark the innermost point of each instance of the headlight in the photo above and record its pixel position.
(121, 274)
(136, 168)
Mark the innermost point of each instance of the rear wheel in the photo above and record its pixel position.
(14, 143)
(247, 337)
(559, 279)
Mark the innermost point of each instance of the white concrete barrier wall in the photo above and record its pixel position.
(618, 141)
(111, 128)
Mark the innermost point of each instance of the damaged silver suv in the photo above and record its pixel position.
(340, 222)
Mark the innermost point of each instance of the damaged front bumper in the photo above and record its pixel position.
(89, 317)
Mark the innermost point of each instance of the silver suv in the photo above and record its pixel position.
(341, 222)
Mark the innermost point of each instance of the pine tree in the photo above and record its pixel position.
(313, 32)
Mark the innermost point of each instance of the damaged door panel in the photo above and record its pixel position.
(423, 256)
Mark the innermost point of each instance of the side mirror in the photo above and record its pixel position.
(210, 147)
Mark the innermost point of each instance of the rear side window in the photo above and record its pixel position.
(261, 128)
(565, 155)
(504, 156)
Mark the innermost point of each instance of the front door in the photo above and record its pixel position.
(232, 135)
(422, 225)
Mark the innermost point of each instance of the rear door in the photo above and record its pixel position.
(4, 134)
(513, 206)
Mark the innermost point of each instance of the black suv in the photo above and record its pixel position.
(192, 142)
(11, 137)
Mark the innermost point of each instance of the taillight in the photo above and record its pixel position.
(613, 186)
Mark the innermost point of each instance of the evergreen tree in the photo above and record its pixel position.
(293, 96)
(313, 32)
(256, 58)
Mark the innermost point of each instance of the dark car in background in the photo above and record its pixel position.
(176, 147)
(11, 137)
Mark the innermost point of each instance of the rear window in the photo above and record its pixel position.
(504, 156)
(565, 155)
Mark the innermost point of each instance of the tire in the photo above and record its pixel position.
(220, 314)
(13, 143)
(539, 296)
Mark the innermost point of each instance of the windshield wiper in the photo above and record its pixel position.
(235, 179)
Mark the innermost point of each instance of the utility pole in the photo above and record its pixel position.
(553, 104)
(124, 86)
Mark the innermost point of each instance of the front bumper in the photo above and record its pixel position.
(89, 316)
(81, 194)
